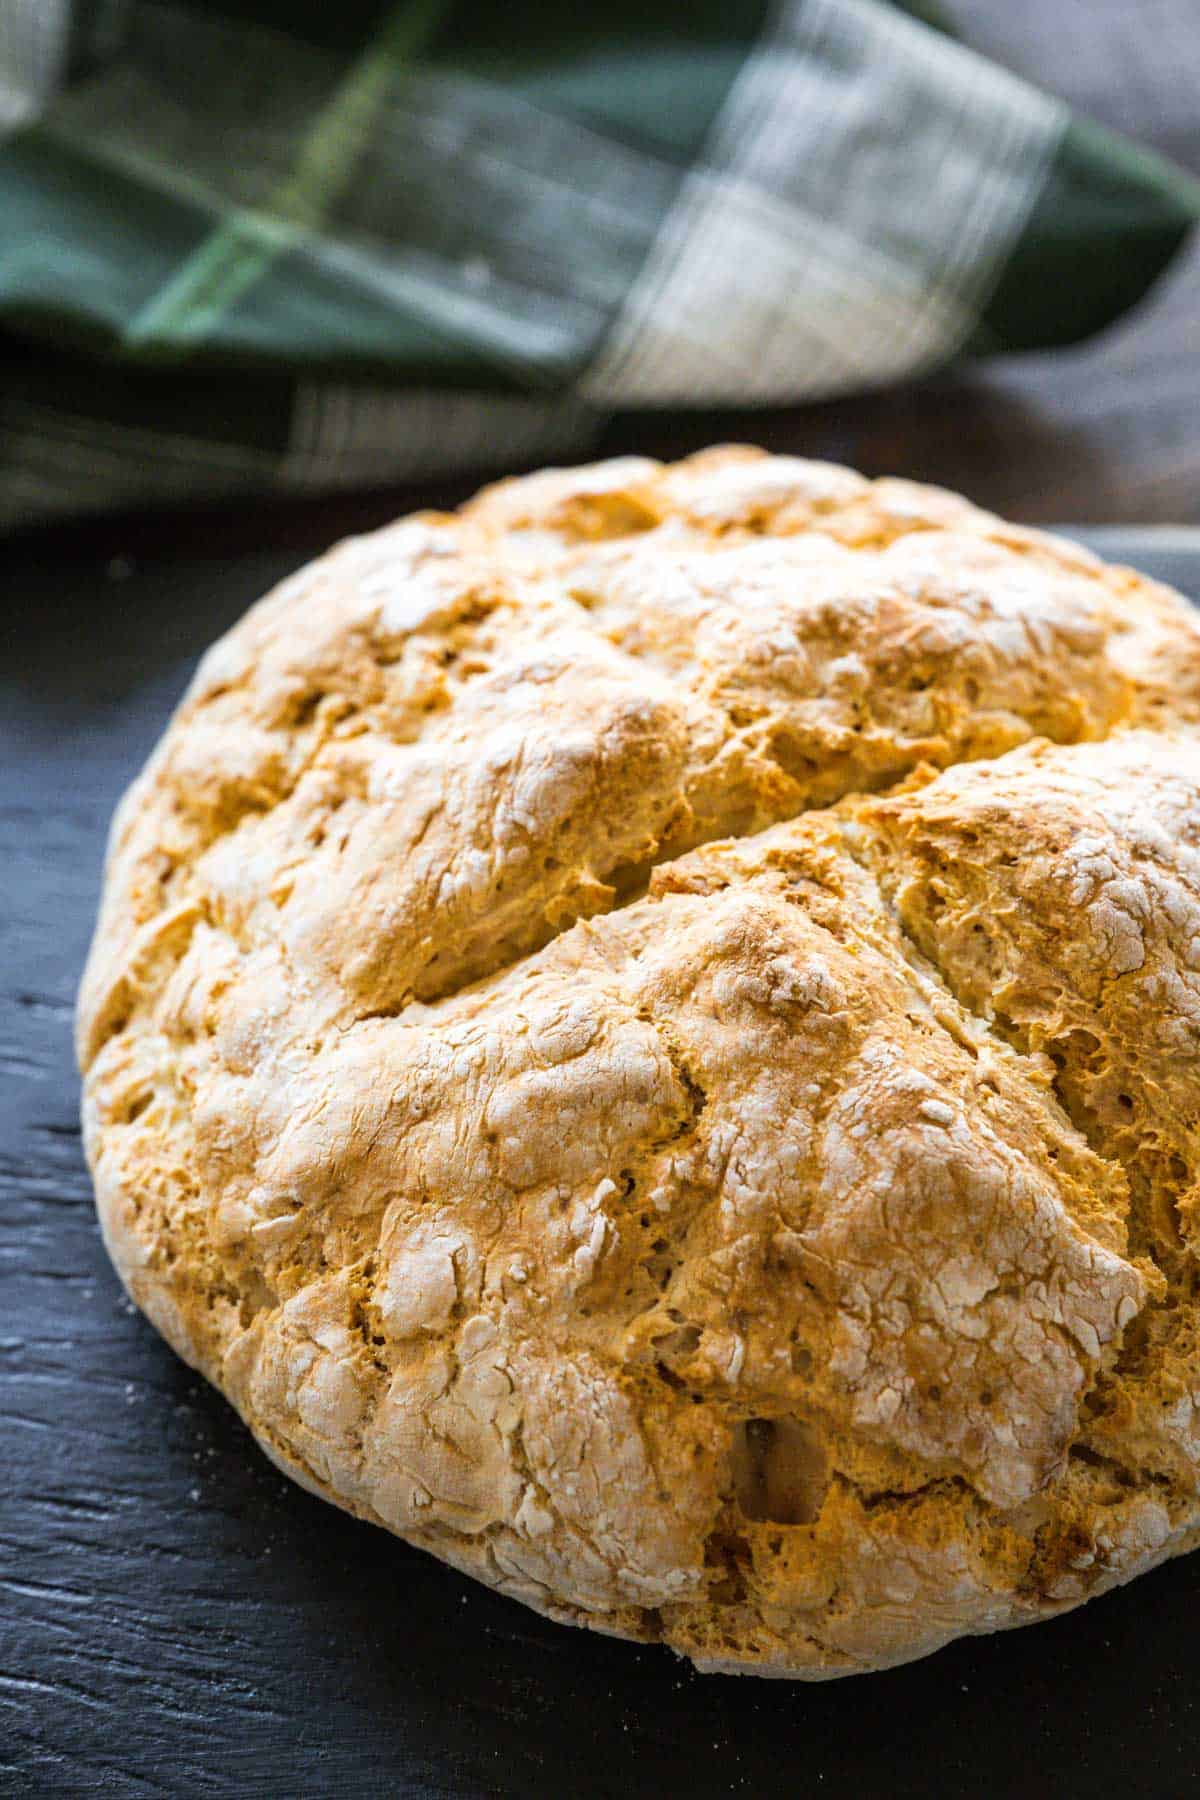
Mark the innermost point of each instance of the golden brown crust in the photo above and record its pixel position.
(586, 1125)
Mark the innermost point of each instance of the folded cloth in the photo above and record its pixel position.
(249, 246)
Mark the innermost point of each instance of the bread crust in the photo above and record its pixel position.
(645, 1035)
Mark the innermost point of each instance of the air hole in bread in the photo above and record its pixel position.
(780, 1471)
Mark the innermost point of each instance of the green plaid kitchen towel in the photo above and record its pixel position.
(250, 246)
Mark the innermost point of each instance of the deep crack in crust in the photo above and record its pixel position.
(564, 1062)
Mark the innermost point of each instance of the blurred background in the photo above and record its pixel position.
(1110, 430)
(299, 267)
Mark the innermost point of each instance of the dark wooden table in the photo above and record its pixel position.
(175, 1618)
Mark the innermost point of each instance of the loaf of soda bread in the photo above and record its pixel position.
(646, 1034)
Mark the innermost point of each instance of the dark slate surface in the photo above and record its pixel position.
(176, 1619)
